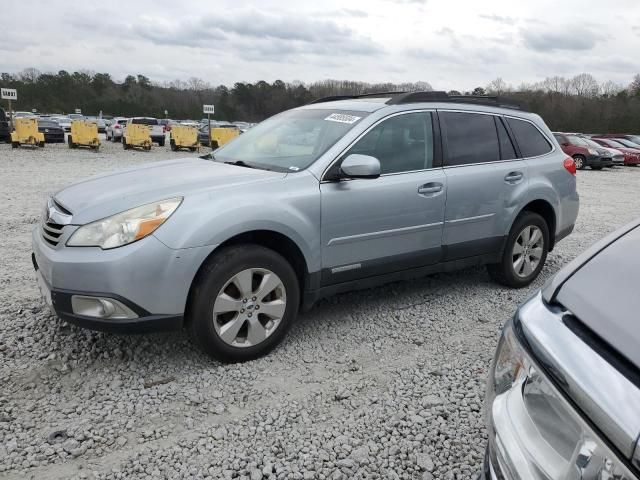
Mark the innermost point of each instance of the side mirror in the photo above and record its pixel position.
(360, 166)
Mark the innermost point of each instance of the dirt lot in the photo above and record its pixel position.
(384, 383)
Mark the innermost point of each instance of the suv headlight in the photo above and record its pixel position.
(592, 151)
(126, 227)
(510, 365)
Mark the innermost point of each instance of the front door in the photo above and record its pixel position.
(392, 223)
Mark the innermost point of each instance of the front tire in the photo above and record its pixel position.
(580, 161)
(243, 302)
(524, 253)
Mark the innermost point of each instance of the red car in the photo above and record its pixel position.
(631, 155)
(631, 138)
(583, 154)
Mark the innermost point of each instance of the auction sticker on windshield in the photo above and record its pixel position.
(342, 118)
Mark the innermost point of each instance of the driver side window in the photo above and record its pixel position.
(402, 143)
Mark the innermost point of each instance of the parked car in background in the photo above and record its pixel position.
(53, 132)
(582, 153)
(166, 123)
(631, 155)
(24, 114)
(203, 134)
(114, 131)
(628, 143)
(563, 393)
(64, 122)
(328, 197)
(631, 138)
(617, 157)
(76, 116)
(5, 134)
(157, 131)
(99, 122)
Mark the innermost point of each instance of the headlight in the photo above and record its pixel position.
(592, 151)
(510, 365)
(126, 227)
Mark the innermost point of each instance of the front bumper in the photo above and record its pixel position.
(147, 276)
(597, 161)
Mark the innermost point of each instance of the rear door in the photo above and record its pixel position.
(391, 223)
(485, 182)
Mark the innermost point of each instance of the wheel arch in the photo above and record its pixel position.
(271, 239)
(548, 213)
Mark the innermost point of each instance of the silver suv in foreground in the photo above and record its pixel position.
(564, 387)
(340, 194)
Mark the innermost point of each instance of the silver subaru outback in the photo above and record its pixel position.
(344, 193)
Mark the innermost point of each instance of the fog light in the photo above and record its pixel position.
(100, 307)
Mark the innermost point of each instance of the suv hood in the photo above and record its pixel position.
(104, 195)
(603, 295)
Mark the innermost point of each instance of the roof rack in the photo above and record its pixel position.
(398, 98)
(334, 98)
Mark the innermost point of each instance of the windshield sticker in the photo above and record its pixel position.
(342, 118)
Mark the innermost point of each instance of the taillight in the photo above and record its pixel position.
(570, 166)
(164, 129)
(116, 126)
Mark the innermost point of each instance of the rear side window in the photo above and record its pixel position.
(507, 152)
(531, 142)
(470, 138)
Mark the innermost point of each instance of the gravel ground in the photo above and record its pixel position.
(384, 383)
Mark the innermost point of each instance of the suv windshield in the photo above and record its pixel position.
(577, 141)
(290, 141)
(627, 143)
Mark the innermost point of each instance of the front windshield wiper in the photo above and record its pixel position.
(241, 163)
(208, 156)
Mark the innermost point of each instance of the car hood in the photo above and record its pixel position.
(602, 294)
(111, 193)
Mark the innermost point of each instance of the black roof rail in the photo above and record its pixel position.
(399, 98)
(435, 96)
(334, 98)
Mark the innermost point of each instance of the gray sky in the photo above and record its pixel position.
(448, 43)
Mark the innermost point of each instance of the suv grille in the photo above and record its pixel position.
(51, 233)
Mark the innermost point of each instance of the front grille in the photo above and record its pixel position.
(51, 233)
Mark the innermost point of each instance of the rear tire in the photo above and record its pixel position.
(517, 268)
(580, 161)
(236, 278)
(15, 144)
(173, 146)
(41, 144)
(161, 143)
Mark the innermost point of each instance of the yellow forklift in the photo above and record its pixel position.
(83, 134)
(136, 135)
(26, 133)
(183, 136)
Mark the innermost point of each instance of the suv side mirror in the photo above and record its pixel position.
(360, 166)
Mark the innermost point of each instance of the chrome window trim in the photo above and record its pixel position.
(372, 126)
(603, 394)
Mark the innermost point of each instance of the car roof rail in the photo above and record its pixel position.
(399, 98)
(335, 98)
(436, 96)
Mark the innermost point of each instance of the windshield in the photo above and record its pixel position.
(577, 141)
(47, 123)
(627, 143)
(592, 143)
(290, 141)
(610, 143)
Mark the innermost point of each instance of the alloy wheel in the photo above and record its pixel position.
(249, 307)
(527, 251)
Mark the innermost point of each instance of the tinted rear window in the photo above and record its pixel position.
(471, 138)
(507, 152)
(531, 142)
(145, 121)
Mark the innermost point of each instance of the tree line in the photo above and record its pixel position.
(580, 103)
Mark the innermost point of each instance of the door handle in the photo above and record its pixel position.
(430, 188)
(513, 177)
